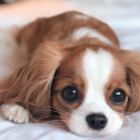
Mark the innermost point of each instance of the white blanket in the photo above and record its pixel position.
(124, 17)
(48, 131)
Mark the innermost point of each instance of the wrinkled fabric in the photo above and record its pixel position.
(48, 131)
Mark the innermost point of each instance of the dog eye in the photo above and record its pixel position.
(69, 94)
(118, 96)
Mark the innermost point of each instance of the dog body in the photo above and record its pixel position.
(72, 28)
(76, 67)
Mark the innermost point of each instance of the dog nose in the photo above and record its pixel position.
(96, 121)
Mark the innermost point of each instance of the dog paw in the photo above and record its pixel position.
(15, 113)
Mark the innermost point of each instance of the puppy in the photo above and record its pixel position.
(76, 67)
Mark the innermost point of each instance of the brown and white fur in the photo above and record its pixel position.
(72, 49)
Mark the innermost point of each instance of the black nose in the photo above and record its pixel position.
(96, 121)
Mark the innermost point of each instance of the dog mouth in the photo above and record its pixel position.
(93, 134)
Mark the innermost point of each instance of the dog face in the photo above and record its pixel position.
(90, 91)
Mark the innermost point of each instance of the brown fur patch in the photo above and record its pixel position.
(30, 85)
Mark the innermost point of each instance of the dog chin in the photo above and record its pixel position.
(95, 133)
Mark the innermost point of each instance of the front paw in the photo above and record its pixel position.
(15, 113)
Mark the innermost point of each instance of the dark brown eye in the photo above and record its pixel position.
(117, 96)
(70, 94)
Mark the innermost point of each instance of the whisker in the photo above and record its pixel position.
(67, 104)
(64, 113)
(65, 119)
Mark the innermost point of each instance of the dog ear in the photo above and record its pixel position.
(131, 61)
(30, 85)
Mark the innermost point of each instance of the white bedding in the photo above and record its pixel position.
(124, 17)
(12, 131)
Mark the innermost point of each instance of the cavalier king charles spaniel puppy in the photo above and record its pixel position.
(76, 68)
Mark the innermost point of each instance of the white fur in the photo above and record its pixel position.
(80, 16)
(86, 31)
(98, 67)
(15, 113)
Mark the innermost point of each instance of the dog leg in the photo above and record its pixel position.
(15, 113)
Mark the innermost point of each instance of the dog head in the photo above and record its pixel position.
(92, 87)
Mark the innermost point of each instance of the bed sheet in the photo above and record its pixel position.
(50, 131)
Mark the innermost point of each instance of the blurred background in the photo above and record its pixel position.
(122, 15)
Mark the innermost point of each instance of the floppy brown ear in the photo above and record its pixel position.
(131, 61)
(30, 85)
